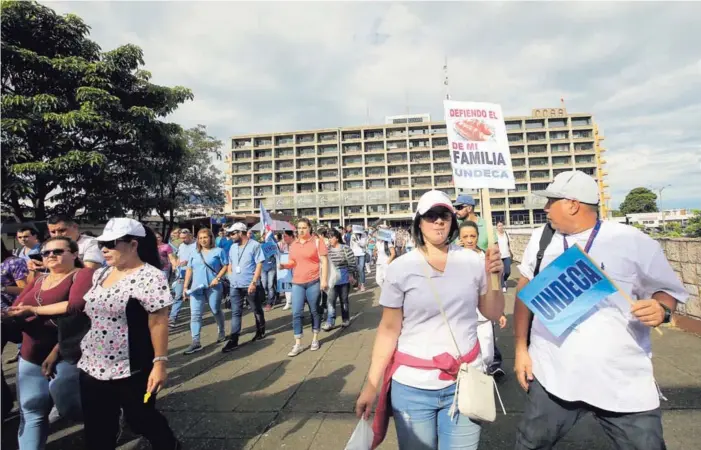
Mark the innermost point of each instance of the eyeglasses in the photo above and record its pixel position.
(54, 252)
(110, 245)
(460, 207)
(433, 215)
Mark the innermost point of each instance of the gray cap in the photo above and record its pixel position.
(574, 185)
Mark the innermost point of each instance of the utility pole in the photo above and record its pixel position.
(659, 203)
(445, 81)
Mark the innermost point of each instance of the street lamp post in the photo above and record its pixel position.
(659, 202)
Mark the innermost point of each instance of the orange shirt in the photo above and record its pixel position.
(306, 259)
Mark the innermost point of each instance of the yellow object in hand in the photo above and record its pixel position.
(146, 397)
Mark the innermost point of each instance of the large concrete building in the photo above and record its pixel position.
(361, 174)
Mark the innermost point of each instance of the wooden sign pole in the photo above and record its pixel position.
(486, 210)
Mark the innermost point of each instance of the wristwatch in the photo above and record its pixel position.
(667, 313)
(160, 358)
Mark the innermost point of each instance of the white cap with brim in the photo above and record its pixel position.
(573, 185)
(121, 226)
(432, 199)
(238, 226)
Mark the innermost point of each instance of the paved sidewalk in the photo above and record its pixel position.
(257, 398)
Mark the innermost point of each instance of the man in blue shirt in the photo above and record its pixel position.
(187, 247)
(245, 266)
(268, 278)
(29, 238)
(223, 241)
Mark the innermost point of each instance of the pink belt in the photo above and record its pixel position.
(445, 362)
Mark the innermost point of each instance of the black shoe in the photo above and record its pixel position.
(260, 334)
(232, 345)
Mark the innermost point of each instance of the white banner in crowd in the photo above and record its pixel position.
(479, 148)
(358, 229)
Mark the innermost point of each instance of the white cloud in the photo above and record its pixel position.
(259, 66)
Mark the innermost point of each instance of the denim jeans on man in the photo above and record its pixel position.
(36, 395)
(547, 419)
(267, 277)
(340, 292)
(254, 301)
(309, 293)
(212, 296)
(360, 263)
(422, 420)
(177, 288)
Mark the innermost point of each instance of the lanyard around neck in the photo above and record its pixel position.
(590, 241)
(242, 251)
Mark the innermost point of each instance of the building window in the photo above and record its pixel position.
(581, 121)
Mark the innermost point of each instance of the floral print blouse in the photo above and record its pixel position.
(118, 343)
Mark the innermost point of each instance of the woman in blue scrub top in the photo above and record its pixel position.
(205, 269)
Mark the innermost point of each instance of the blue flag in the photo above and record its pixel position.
(566, 290)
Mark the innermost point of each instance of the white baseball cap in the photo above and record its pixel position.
(573, 185)
(121, 226)
(434, 198)
(238, 226)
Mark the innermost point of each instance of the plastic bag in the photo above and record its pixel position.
(362, 436)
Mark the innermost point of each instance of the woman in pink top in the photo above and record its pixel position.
(308, 258)
(165, 253)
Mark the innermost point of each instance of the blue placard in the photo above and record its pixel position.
(269, 249)
(566, 290)
(385, 235)
(284, 276)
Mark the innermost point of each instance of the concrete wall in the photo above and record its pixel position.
(684, 254)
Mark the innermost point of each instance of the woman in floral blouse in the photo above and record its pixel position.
(124, 355)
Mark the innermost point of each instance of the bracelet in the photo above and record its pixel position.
(160, 358)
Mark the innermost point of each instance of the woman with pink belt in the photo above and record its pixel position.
(414, 349)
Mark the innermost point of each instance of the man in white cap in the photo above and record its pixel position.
(603, 365)
(245, 266)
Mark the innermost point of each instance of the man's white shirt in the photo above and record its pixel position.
(605, 360)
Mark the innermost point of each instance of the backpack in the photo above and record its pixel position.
(545, 240)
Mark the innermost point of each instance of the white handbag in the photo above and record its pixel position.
(474, 390)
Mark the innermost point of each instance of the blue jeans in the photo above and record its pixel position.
(267, 277)
(237, 297)
(308, 292)
(339, 291)
(177, 287)
(213, 296)
(36, 395)
(507, 270)
(360, 263)
(422, 421)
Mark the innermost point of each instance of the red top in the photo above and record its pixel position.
(40, 334)
(306, 260)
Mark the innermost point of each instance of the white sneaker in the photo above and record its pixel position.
(286, 307)
(503, 289)
(54, 416)
(296, 350)
(315, 346)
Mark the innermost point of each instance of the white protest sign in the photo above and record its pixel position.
(358, 229)
(479, 148)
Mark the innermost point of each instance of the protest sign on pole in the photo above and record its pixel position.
(567, 290)
(385, 235)
(479, 154)
(358, 229)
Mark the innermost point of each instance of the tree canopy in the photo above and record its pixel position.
(78, 123)
(639, 200)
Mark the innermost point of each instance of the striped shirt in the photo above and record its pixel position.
(342, 257)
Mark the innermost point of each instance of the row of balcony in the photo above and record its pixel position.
(576, 135)
(555, 122)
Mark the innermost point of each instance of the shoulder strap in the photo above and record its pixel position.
(440, 305)
(545, 239)
(205, 263)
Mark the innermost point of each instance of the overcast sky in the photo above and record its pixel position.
(273, 67)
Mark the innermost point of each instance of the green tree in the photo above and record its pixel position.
(188, 178)
(693, 226)
(74, 119)
(639, 200)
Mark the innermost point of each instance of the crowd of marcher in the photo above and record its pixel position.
(91, 317)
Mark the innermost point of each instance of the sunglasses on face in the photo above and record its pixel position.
(54, 252)
(110, 245)
(460, 207)
(432, 215)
